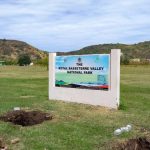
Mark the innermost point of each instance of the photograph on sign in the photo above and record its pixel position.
(83, 71)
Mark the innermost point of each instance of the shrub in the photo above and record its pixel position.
(125, 60)
(42, 62)
(24, 60)
(11, 62)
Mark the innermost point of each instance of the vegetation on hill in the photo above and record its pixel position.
(140, 50)
(10, 50)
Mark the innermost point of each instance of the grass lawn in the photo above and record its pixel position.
(75, 126)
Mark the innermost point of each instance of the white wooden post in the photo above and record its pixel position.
(115, 74)
(51, 72)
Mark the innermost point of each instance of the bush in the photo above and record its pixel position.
(24, 60)
(11, 62)
(125, 60)
(42, 62)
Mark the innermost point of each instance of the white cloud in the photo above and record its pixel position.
(69, 24)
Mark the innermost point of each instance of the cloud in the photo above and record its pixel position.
(60, 25)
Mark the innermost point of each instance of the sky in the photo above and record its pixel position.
(66, 25)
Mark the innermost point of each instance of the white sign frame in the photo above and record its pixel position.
(110, 98)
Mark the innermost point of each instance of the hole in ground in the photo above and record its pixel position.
(134, 144)
(2, 144)
(26, 118)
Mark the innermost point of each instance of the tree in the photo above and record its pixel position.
(125, 59)
(24, 60)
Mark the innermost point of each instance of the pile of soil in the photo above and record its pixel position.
(24, 118)
(135, 144)
(2, 145)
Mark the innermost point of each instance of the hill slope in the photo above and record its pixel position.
(11, 49)
(140, 50)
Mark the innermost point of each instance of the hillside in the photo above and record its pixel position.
(11, 49)
(140, 50)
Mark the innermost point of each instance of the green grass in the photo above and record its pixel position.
(75, 126)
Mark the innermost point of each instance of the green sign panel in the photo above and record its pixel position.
(83, 71)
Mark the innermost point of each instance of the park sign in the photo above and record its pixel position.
(89, 79)
(83, 71)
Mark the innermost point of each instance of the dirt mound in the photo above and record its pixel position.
(135, 144)
(24, 118)
(2, 145)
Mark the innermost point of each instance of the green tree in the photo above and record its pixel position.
(24, 60)
(125, 59)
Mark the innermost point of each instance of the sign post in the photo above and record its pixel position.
(89, 79)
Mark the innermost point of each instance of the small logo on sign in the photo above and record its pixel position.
(79, 62)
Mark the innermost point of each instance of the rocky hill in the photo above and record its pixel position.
(11, 49)
(139, 50)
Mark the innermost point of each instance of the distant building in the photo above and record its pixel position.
(148, 60)
(2, 63)
(135, 60)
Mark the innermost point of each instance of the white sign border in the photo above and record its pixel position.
(110, 98)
